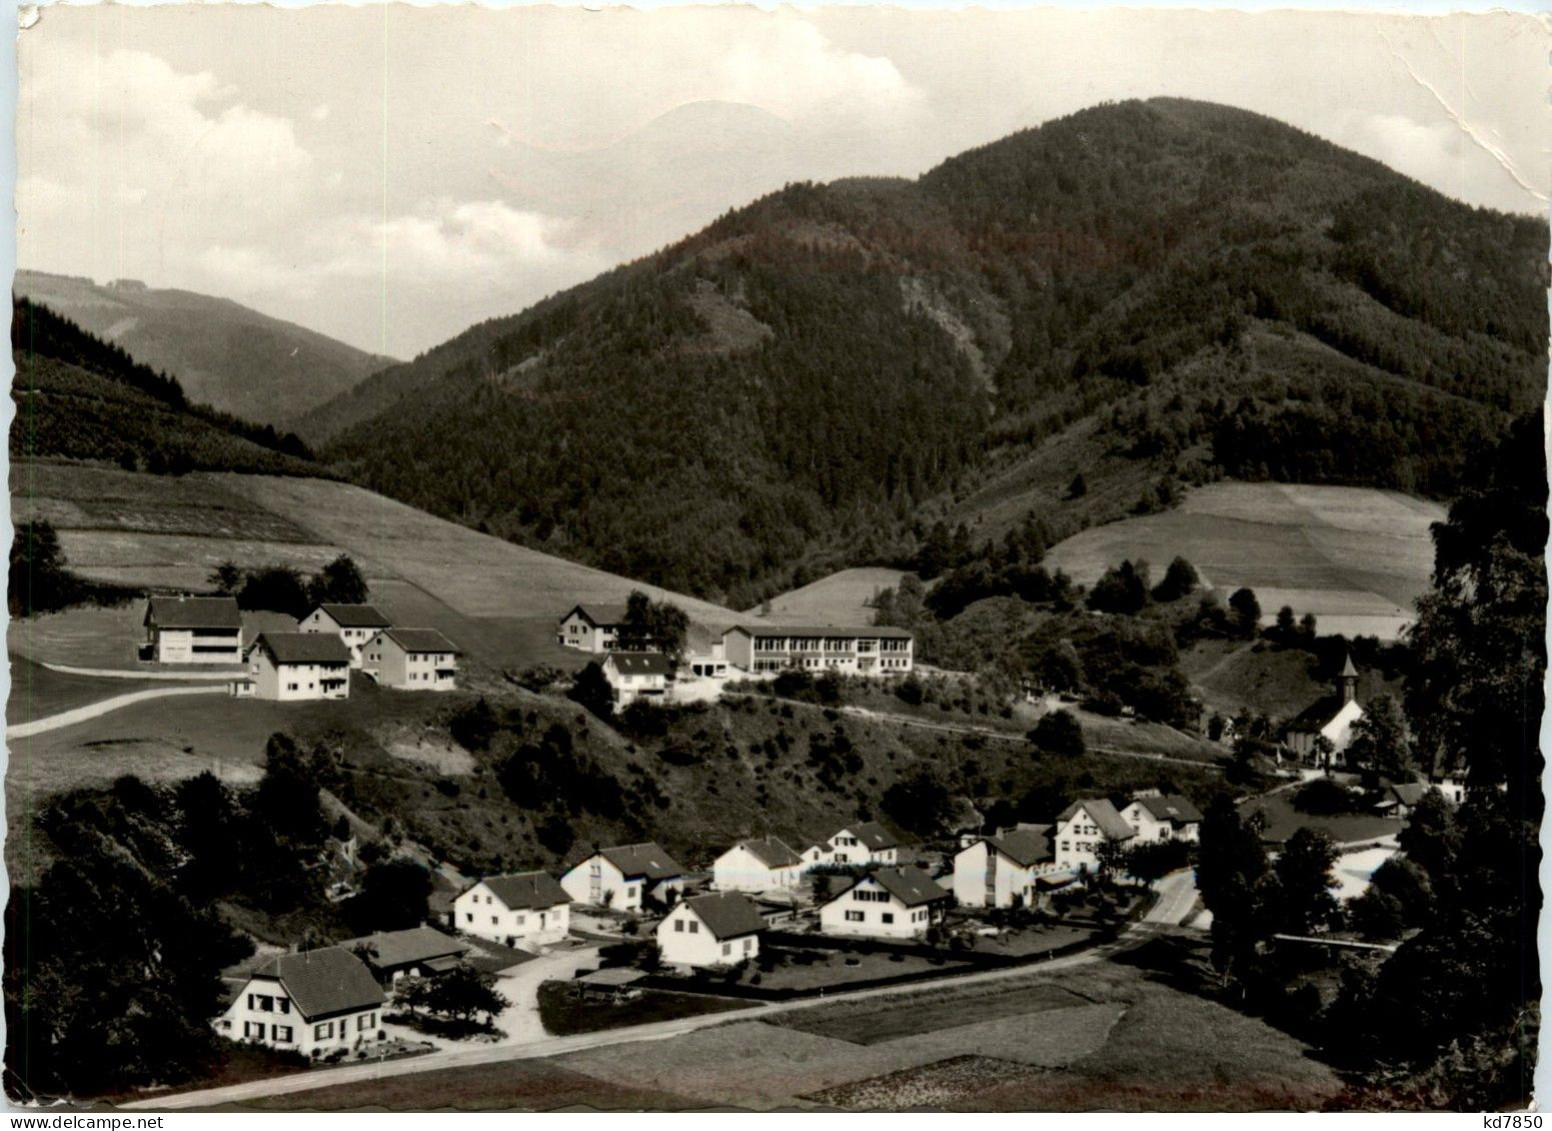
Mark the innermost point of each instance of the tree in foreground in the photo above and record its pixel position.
(591, 689)
(1058, 733)
(1244, 612)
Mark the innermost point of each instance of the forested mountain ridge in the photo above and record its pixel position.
(1146, 293)
(80, 398)
(222, 353)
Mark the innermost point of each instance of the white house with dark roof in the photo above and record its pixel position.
(891, 903)
(592, 628)
(314, 1003)
(1155, 817)
(192, 630)
(522, 909)
(354, 624)
(710, 930)
(637, 675)
(1082, 827)
(764, 648)
(624, 878)
(294, 666)
(411, 659)
(763, 864)
(417, 952)
(1000, 870)
(866, 843)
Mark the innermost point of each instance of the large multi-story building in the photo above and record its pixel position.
(849, 651)
(192, 630)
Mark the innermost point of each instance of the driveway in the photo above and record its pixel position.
(521, 986)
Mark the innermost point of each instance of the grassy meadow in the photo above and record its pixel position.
(1354, 557)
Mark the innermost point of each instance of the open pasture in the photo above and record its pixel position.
(1356, 558)
(844, 598)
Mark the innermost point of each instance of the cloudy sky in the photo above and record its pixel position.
(390, 175)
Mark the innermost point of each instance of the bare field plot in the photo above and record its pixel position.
(945, 1084)
(178, 561)
(1356, 558)
(870, 1023)
(843, 598)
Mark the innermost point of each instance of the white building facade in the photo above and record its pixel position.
(412, 659)
(524, 909)
(760, 649)
(313, 1003)
(353, 624)
(892, 903)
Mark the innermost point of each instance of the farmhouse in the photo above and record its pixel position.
(192, 630)
(710, 930)
(850, 651)
(313, 1003)
(291, 666)
(891, 903)
(354, 624)
(866, 843)
(1330, 718)
(1082, 827)
(625, 878)
(766, 864)
(637, 675)
(1155, 816)
(524, 909)
(411, 659)
(592, 628)
(999, 871)
(419, 952)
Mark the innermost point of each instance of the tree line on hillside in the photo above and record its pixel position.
(283, 589)
(41, 580)
(38, 332)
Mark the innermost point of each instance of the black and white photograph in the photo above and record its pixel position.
(826, 560)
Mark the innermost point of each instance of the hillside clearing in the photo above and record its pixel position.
(845, 597)
(1356, 558)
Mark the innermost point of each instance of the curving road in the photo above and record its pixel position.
(103, 707)
(1177, 896)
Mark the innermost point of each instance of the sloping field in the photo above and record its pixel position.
(497, 601)
(843, 598)
(1356, 558)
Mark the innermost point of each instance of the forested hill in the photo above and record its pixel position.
(81, 398)
(1146, 293)
(222, 353)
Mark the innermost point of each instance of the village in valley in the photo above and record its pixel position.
(818, 561)
(628, 936)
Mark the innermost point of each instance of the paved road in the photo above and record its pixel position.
(1177, 895)
(103, 707)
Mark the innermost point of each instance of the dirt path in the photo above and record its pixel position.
(961, 728)
(102, 707)
(219, 675)
(1177, 895)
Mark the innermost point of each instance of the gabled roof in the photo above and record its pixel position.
(355, 616)
(1023, 846)
(1104, 814)
(522, 891)
(420, 640)
(640, 663)
(400, 948)
(771, 852)
(1316, 716)
(599, 616)
(835, 631)
(1171, 807)
(193, 612)
(872, 835)
(324, 982)
(1410, 793)
(303, 647)
(1348, 669)
(911, 886)
(647, 860)
(727, 915)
